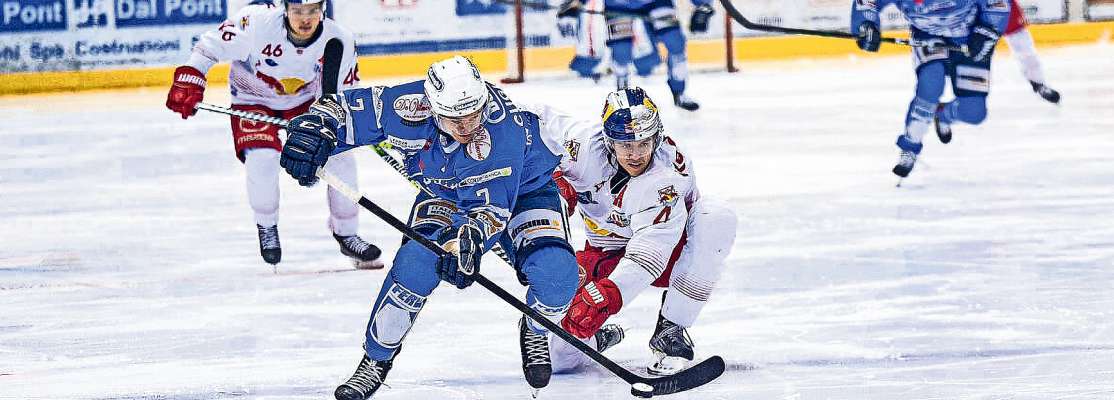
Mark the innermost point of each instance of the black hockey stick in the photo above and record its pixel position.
(544, 6)
(330, 70)
(689, 378)
(738, 17)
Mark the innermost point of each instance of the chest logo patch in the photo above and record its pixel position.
(480, 146)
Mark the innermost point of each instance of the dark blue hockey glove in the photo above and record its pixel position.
(869, 38)
(980, 44)
(310, 139)
(457, 268)
(698, 23)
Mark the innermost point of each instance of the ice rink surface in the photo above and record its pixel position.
(129, 265)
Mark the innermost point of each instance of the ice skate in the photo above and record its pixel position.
(671, 345)
(536, 364)
(365, 381)
(269, 246)
(608, 336)
(1045, 92)
(905, 163)
(364, 255)
(685, 102)
(943, 129)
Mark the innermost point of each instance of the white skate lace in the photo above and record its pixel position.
(537, 349)
(368, 376)
(907, 158)
(268, 237)
(355, 244)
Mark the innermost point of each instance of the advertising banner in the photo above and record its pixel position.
(1098, 10)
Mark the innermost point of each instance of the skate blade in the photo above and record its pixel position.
(534, 392)
(667, 366)
(370, 265)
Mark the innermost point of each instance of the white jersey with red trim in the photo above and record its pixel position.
(268, 69)
(646, 214)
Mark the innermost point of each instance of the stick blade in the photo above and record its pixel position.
(689, 378)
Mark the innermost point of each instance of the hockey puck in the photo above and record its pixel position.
(642, 390)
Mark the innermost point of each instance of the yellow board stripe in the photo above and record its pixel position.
(708, 51)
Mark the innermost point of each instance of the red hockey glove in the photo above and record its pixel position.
(567, 192)
(591, 306)
(188, 90)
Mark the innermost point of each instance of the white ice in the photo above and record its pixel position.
(129, 266)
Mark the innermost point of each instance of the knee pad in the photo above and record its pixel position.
(395, 311)
(971, 110)
(552, 272)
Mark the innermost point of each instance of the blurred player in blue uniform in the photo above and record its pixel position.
(976, 24)
(660, 19)
(486, 179)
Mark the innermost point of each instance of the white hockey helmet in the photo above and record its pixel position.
(454, 87)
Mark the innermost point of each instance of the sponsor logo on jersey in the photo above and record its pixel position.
(285, 86)
(490, 175)
(668, 196)
(406, 144)
(573, 147)
(244, 23)
(480, 146)
(921, 8)
(412, 107)
(618, 218)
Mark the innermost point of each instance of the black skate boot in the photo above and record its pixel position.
(685, 102)
(672, 346)
(269, 246)
(364, 255)
(905, 163)
(943, 129)
(365, 381)
(536, 364)
(908, 157)
(608, 336)
(1046, 93)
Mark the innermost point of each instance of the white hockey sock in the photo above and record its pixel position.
(1021, 44)
(344, 216)
(262, 167)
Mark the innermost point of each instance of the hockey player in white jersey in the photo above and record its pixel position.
(646, 225)
(277, 57)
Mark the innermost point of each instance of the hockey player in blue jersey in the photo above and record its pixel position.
(661, 22)
(486, 179)
(976, 24)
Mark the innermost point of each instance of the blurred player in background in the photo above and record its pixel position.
(1021, 44)
(592, 59)
(646, 225)
(277, 56)
(660, 20)
(976, 24)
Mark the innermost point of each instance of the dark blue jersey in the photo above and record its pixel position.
(482, 178)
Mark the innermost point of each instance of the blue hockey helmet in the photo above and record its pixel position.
(629, 115)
